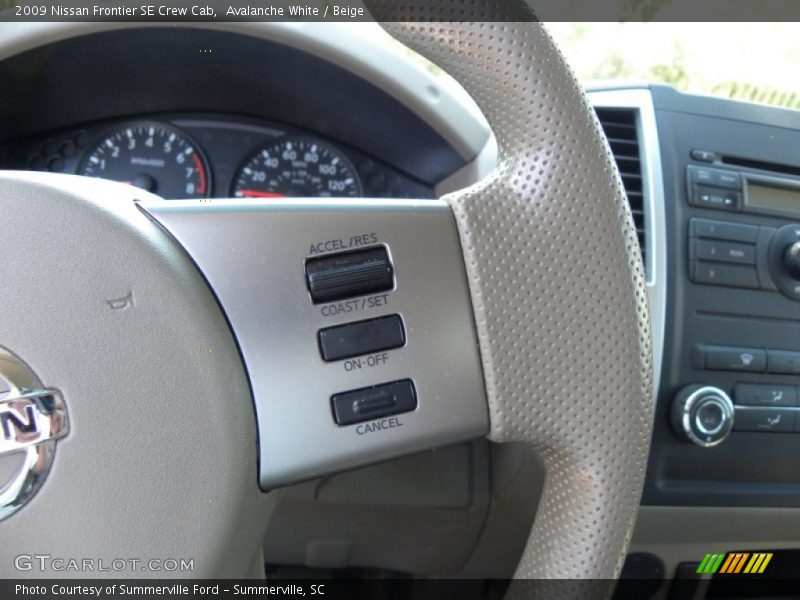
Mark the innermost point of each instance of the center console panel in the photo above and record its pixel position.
(727, 425)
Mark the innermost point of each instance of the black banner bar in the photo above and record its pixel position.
(734, 586)
(144, 11)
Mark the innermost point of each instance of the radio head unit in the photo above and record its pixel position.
(741, 254)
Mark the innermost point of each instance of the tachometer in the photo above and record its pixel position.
(296, 167)
(152, 156)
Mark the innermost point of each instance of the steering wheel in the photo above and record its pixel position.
(181, 339)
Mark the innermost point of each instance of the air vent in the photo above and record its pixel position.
(621, 131)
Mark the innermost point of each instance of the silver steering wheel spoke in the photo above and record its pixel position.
(353, 319)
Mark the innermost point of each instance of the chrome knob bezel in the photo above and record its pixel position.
(690, 407)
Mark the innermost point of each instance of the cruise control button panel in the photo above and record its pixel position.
(347, 314)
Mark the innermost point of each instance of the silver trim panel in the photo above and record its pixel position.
(252, 254)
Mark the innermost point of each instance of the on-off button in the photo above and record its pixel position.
(354, 339)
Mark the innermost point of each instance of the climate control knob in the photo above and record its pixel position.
(702, 414)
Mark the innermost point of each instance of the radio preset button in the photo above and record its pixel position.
(730, 358)
(743, 254)
(726, 275)
(723, 230)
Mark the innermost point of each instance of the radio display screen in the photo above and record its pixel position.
(764, 196)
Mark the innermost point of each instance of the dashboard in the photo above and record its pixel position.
(714, 193)
(732, 222)
(713, 187)
(195, 155)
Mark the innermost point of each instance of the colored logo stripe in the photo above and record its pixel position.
(734, 562)
(758, 563)
(711, 562)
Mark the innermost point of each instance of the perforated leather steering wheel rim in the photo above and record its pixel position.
(558, 288)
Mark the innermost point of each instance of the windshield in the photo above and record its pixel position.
(756, 62)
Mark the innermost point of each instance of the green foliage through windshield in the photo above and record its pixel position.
(756, 62)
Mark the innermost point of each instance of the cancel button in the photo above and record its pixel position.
(375, 402)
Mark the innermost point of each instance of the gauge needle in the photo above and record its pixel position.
(259, 194)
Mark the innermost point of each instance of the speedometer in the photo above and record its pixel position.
(152, 156)
(296, 167)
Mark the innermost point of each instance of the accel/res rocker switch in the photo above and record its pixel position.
(348, 274)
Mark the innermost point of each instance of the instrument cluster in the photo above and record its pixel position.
(210, 156)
